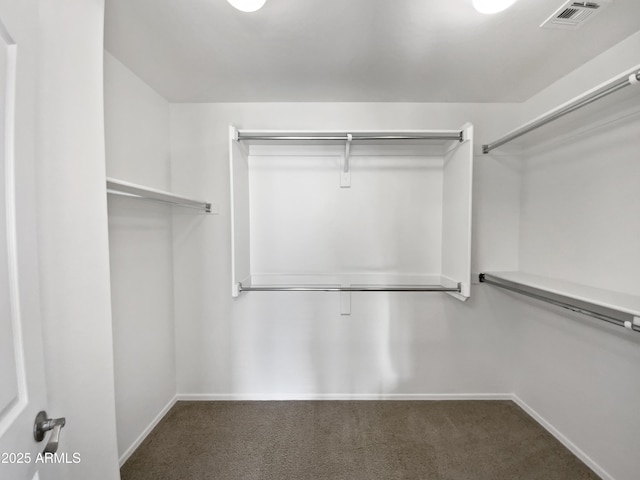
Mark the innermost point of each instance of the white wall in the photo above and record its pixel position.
(284, 345)
(140, 241)
(580, 222)
(303, 222)
(73, 238)
(614, 61)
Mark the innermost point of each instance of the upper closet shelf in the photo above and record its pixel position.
(614, 307)
(631, 77)
(119, 187)
(351, 143)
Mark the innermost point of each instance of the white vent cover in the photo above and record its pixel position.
(572, 14)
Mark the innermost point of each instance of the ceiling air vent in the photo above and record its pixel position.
(572, 15)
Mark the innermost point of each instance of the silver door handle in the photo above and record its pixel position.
(43, 425)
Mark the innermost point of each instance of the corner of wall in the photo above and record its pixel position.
(619, 58)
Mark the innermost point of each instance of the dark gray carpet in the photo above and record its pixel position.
(360, 440)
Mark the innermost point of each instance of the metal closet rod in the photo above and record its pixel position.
(554, 115)
(423, 136)
(373, 288)
(621, 319)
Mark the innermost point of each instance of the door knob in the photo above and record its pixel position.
(43, 425)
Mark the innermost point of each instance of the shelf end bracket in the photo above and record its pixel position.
(345, 174)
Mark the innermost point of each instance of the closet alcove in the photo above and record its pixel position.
(351, 210)
(603, 118)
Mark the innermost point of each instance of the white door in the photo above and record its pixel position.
(22, 379)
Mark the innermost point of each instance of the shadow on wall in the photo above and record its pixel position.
(296, 344)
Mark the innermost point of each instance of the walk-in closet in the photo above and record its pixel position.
(272, 239)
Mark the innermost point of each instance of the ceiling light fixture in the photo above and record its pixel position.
(492, 6)
(247, 5)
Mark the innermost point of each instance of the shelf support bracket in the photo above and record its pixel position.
(345, 302)
(345, 175)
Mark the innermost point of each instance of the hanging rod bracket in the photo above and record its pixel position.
(345, 301)
(345, 174)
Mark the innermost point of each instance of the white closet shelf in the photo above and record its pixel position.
(614, 307)
(120, 187)
(350, 288)
(593, 114)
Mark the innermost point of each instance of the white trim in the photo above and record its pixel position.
(220, 397)
(586, 459)
(138, 441)
(19, 403)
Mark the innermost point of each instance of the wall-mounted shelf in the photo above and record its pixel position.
(119, 187)
(593, 96)
(614, 307)
(403, 226)
(418, 142)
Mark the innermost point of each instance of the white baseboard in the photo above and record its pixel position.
(199, 397)
(562, 439)
(132, 448)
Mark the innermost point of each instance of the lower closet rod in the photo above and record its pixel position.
(377, 288)
(564, 302)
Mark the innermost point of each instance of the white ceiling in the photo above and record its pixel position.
(354, 50)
